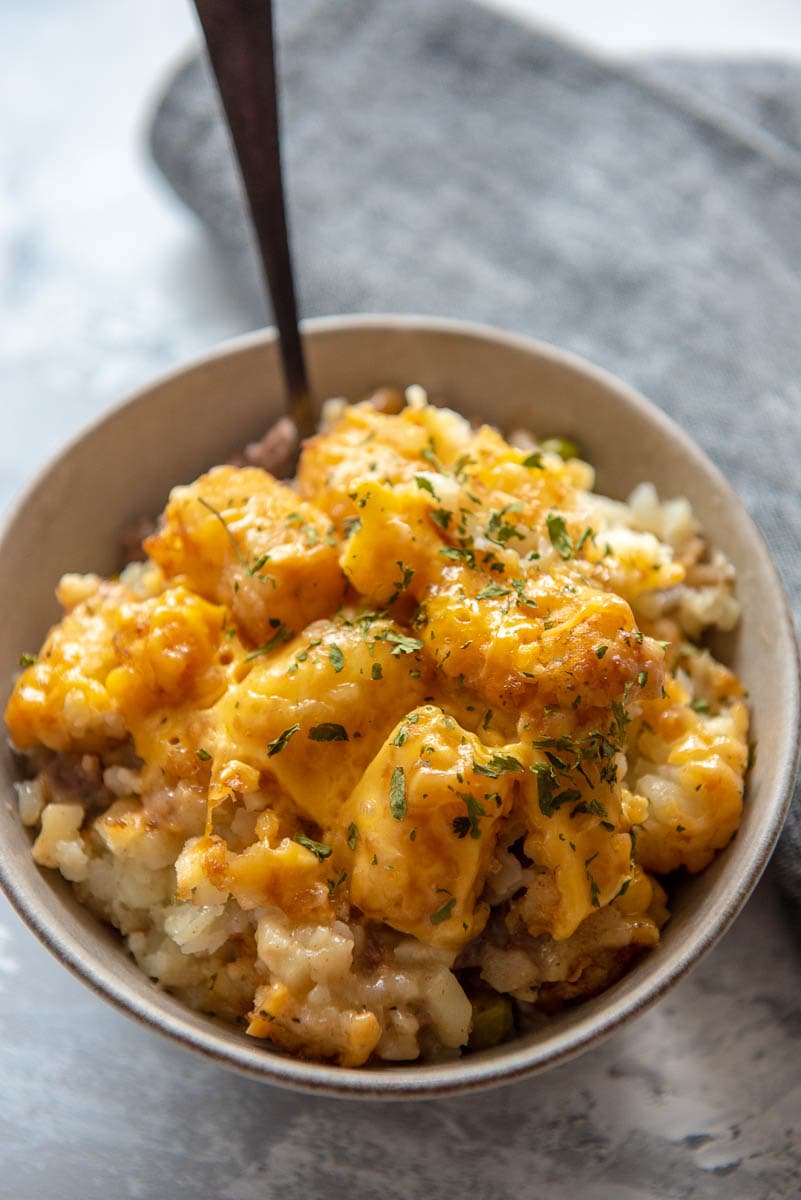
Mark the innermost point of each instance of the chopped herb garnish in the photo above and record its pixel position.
(279, 743)
(595, 891)
(228, 533)
(560, 538)
(500, 531)
(27, 660)
(280, 636)
(642, 679)
(700, 706)
(443, 914)
(469, 824)
(459, 552)
(318, 848)
(549, 799)
(493, 590)
(425, 485)
(520, 587)
(440, 517)
(430, 456)
(485, 724)
(402, 644)
(584, 537)
(534, 460)
(376, 671)
(351, 525)
(258, 563)
(333, 884)
(459, 467)
(203, 755)
(505, 763)
(329, 731)
(397, 794)
(624, 887)
(353, 834)
(407, 575)
(600, 651)
(336, 658)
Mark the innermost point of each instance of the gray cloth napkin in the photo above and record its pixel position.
(443, 159)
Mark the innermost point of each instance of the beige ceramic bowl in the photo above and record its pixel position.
(125, 465)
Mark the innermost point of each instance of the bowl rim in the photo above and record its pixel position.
(516, 1062)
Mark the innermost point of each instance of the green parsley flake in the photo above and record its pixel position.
(505, 763)
(700, 706)
(459, 553)
(500, 531)
(376, 671)
(549, 799)
(203, 755)
(595, 891)
(520, 587)
(258, 563)
(27, 660)
(329, 731)
(228, 534)
(397, 794)
(469, 824)
(624, 887)
(444, 913)
(534, 460)
(642, 678)
(425, 485)
(493, 590)
(600, 651)
(336, 658)
(317, 848)
(402, 644)
(333, 884)
(588, 533)
(353, 834)
(407, 576)
(560, 538)
(278, 744)
(280, 636)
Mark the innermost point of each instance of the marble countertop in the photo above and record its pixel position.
(106, 282)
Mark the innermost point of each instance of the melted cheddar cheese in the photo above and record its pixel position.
(421, 670)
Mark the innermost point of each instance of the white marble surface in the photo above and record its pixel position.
(104, 281)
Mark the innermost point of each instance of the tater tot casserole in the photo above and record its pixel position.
(392, 760)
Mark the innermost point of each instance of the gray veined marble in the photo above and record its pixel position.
(104, 281)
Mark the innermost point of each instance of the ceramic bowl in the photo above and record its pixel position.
(126, 463)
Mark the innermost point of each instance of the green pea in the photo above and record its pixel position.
(493, 1020)
(565, 447)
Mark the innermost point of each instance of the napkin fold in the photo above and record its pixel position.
(444, 159)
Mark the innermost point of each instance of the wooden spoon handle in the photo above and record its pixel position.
(239, 37)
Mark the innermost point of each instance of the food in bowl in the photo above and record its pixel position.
(389, 761)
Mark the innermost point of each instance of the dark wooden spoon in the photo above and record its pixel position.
(239, 37)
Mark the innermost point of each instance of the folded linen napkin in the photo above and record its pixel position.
(443, 159)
